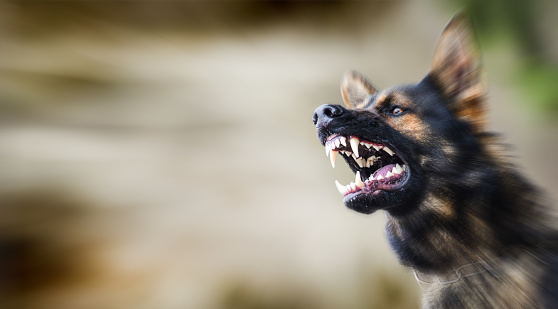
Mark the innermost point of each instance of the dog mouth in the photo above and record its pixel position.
(377, 166)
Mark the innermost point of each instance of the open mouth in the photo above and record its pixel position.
(377, 167)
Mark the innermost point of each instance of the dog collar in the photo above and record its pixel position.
(453, 276)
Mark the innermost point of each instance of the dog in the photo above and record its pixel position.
(472, 229)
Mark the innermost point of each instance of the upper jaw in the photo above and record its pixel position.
(376, 165)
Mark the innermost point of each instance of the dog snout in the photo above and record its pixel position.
(325, 113)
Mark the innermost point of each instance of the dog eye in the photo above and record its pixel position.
(396, 110)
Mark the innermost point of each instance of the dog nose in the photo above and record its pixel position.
(325, 113)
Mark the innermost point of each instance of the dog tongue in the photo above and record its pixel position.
(383, 170)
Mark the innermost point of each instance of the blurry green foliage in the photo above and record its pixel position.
(537, 72)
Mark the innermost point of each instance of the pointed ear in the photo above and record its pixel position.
(456, 69)
(355, 88)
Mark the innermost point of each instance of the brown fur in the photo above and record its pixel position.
(474, 231)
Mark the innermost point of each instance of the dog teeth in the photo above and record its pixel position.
(386, 149)
(358, 181)
(352, 187)
(366, 144)
(380, 177)
(389, 174)
(335, 144)
(354, 145)
(341, 188)
(397, 169)
(332, 157)
(370, 161)
(361, 162)
(377, 147)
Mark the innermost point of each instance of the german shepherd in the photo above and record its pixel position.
(475, 232)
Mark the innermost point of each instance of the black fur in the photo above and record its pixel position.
(460, 202)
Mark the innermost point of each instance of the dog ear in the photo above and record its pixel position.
(355, 89)
(456, 69)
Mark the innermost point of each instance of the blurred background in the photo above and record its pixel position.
(162, 154)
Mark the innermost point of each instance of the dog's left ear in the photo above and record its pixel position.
(456, 69)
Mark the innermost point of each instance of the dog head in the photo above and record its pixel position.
(401, 141)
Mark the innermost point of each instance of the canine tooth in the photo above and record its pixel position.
(358, 181)
(380, 177)
(398, 169)
(354, 145)
(327, 149)
(389, 174)
(386, 149)
(337, 143)
(340, 187)
(377, 147)
(332, 157)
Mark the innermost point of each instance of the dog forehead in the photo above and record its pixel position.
(398, 95)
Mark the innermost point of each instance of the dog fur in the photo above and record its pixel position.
(474, 231)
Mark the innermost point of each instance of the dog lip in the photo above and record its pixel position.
(329, 138)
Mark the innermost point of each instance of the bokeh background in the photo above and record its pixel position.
(161, 154)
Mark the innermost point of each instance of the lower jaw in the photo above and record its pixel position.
(377, 188)
(357, 194)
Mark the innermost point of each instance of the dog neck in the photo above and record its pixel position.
(439, 242)
(456, 225)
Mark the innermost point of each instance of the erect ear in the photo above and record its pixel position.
(456, 68)
(355, 89)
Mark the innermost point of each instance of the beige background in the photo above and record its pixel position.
(162, 155)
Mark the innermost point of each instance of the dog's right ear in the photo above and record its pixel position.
(355, 89)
